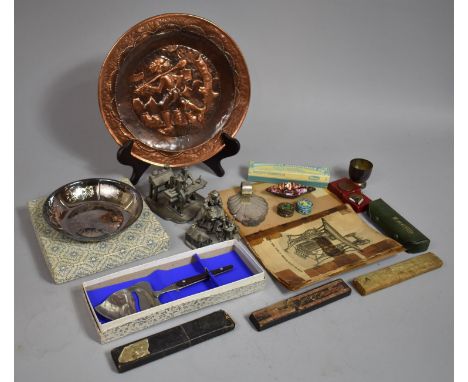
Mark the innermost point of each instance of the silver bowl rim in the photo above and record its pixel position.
(127, 186)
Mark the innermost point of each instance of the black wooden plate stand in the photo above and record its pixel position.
(124, 156)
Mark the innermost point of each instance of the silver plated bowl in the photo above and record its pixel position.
(93, 209)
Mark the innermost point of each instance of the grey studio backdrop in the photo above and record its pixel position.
(331, 80)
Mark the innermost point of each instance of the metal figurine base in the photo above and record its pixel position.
(173, 195)
(197, 238)
(163, 209)
(124, 156)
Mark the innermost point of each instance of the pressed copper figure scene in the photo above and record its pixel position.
(173, 84)
(174, 93)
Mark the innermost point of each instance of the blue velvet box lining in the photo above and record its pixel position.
(159, 279)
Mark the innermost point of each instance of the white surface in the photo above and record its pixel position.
(331, 80)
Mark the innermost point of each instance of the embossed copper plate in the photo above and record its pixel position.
(173, 83)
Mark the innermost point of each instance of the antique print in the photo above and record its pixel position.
(323, 247)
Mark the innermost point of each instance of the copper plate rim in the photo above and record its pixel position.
(137, 34)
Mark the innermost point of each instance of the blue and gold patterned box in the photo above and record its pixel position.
(68, 259)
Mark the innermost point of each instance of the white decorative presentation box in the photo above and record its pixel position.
(121, 327)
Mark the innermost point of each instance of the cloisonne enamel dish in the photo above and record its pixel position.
(172, 84)
(93, 209)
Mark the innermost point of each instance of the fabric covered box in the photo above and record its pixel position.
(68, 259)
(246, 277)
